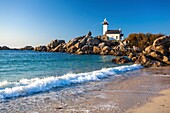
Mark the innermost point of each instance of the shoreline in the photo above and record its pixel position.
(120, 94)
(123, 94)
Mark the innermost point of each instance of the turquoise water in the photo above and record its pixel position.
(16, 65)
(24, 73)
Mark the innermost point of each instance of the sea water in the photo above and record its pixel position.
(24, 73)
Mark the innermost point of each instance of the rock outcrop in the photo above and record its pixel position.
(27, 48)
(85, 45)
(40, 48)
(60, 48)
(154, 55)
(121, 60)
(53, 46)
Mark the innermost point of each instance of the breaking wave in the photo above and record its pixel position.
(26, 87)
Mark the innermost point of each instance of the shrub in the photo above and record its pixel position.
(142, 40)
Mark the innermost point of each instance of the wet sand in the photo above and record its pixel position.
(113, 95)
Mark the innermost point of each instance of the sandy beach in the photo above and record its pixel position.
(159, 104)
(128, 94)
(145, 90)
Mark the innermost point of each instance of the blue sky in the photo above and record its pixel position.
(37, 22)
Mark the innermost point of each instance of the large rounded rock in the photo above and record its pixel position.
(148, 49)
(162, 44)
(87, 49)
(40, 48)
(160, 49)
(162, 41)
(54, 43)
(106, 49)
(153, 54)
(89, 41)
(79, 52)
(103, 38)
(79, 45)
(83, 41)
(131, 55)
(115, 43)
(165, 59)
(101, 45)
(59, 48)
(121, 60)
(122, 48)
(27, 48)
(72, 49)
(96, 50)
(95, 42)
(111, 52)
(72, 42)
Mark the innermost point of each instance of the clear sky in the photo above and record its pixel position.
(37, 22)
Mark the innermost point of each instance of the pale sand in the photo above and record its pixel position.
(160, 104)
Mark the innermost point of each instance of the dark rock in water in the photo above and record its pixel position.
(40, 48)
(60, 48)
(72, 49)
(80, 52)
(51, 46)
(105, 50)
(27, 48)
(87, 49)
(54, 43)
(4, 48)
(121, 60)
(96, 50)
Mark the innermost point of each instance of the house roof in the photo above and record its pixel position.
(113, 32)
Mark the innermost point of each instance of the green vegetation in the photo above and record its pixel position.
(141, 40)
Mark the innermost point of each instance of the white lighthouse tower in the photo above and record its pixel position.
(105, 26)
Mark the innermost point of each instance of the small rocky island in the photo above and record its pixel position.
(149, 50)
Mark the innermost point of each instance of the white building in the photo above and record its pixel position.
(112, 34)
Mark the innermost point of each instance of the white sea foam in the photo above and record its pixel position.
(30, 86)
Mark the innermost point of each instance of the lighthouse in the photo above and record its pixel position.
(105, 26)
(112, 34)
